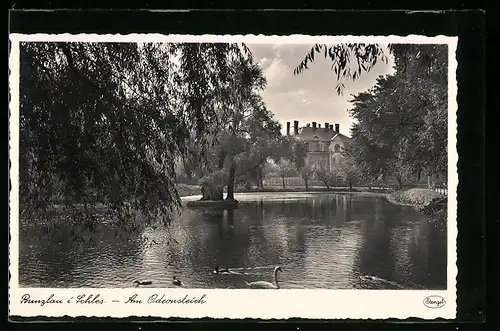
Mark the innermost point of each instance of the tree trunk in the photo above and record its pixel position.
(214, 192)
(283, 180)
(230, 217)
(222, 158)
(205, 194)
(307, 187)
(219, 193)
(257, 172)
(400, 182)
(260, 177)
(230, 181)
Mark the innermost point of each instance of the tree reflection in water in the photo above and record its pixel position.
(320, 241)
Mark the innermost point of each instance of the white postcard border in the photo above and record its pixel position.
(257, 304)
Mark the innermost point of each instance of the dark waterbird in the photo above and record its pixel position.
(368, 277)
(177, 282)
(143, 282)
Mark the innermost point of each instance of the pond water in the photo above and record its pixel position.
(320, 241)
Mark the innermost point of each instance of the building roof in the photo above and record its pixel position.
(345, 140)
(309, 134)
(342, 138)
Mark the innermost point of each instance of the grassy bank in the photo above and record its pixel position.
(419, 198)
(189, 190)
(415, 197)
(186, 190)
(302, 189)
(424, 200)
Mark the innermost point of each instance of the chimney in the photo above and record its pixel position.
(296, 127)
(327, 125)
(337, 128)
(331, 127)
(287, 128)
(314, 126)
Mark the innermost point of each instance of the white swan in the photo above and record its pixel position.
(267, 285)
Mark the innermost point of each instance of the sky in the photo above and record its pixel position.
(310, 96)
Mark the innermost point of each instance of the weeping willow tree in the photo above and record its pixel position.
(103, 123)
(245, 133)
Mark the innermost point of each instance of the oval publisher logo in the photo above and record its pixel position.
(434, 301)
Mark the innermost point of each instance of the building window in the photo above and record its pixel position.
(337, 148)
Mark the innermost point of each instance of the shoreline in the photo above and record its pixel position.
(423, 200)
(188, 196)
(194, 190)
(418, 198)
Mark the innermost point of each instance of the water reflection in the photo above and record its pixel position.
(320, 241)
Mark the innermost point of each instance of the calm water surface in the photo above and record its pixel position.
(319, 240)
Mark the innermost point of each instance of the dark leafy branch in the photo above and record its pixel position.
(342, 56)
(104, 123)
(351, 60)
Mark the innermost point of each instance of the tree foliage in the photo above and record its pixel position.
(348, 171)
(105, 122)
(349, 61)
(352, 60)
(324, 174)
(400, 128)
(247, 133)
(285, 168)
(306, 172)
(294, 151)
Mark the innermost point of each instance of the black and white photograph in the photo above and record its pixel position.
(233, 164)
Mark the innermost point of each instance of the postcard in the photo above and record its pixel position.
(233, 176)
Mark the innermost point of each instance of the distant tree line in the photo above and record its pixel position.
(400, 129)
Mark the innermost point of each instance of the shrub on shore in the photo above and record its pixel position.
(419, 197)
(185, 190)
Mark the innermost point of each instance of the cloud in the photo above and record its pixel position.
(275, 73)
(310, 96)
(264, 63)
